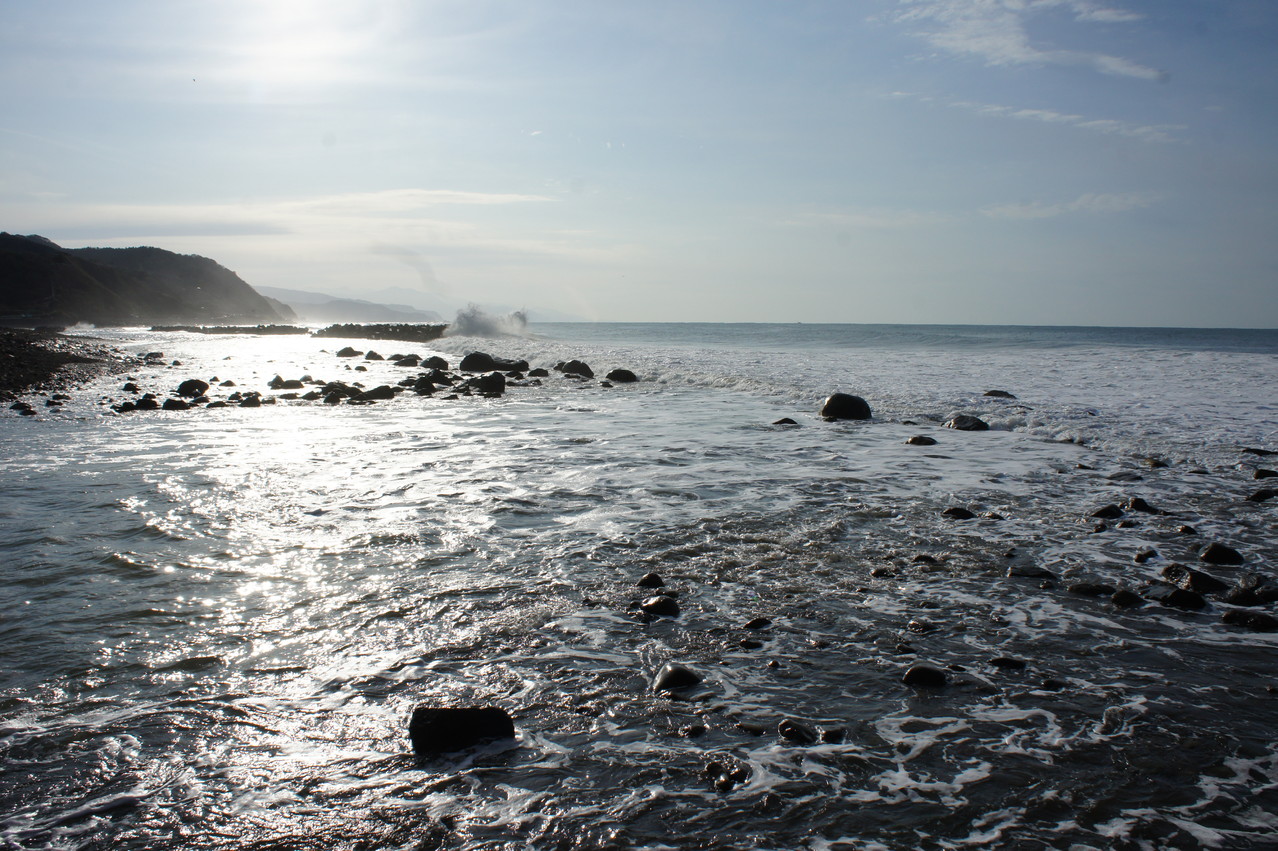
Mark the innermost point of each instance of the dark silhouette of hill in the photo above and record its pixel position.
(41, 282)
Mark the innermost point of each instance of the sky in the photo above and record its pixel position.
(1041, 162)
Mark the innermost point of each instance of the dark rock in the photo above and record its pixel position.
(749, 644)
(227, 383)
(674, 677)
(408, 360)
(1030, 571)
(575, 367)
(1007, 663)
(484, 362)
(661, 604)
(435, 362)
(651, 580)
(622, 376)
(443, 729)
(218, 404)
(1187, 530)
(539, 372)
(1262, 473)
(1138, 504)
(1248, 449)
(371, 355)
(251, 402)
(999, 394)
(489, 384)
(924, 676)
(757, 623)
(1255, 621)
(842, 406)
(130, 387)
(1144, 556)
(957, 512)
(1091, 589)
(785, 421)
(1217, 553)
(1125, 598)
(833, 735)
(1108, 512)
(921, 440)
(175, 405)
(797, 732)
(1173, 597)
(964, 422)
(381, 393)
(1194, 580)
(1262, 495)
(348, 352)
(193, 387)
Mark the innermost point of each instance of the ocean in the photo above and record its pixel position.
(216, 622)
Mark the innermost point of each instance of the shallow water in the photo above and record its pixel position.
(218, 621)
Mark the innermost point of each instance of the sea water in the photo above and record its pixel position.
(215, 623)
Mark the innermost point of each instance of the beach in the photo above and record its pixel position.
(222, 618)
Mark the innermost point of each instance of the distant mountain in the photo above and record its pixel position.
(43, 282)
(318, 307)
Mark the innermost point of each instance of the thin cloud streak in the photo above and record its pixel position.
(996, 31)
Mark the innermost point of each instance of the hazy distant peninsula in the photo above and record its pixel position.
(43, 283)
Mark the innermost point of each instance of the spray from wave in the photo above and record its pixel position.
(473, 321)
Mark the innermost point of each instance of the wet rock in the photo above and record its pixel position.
(844, 406)
(1186, 530)
(1091, 589)
(348, 352)
(381, 393)
(750, 644)
(1248, 449)
(1262, 473)
(964, 422)
(539, 372)
(833, 735)
(489, 384)
(1144, 556)
(1135, 503)
(797, 732)
(999, 394)
(651, 580)
(924, 676)
(1262, 495)
(575, 367)
(484, 362)
(1030, 571)
(175, 405)
(1193, 580)
(921, 440)
(1217, 553)
(1125, 598)
(1255, 621)
(757, 623)
(674, 677)
(192, 387)
(434, 362)
(371, 355)
(251, 402)
(437, 730)
(661, 605)
(785, 421)
(1007, 663)
(1108, 512)
(957, 512)
(1176, 598)
(622, 376)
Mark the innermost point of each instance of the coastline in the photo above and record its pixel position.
(36, 361)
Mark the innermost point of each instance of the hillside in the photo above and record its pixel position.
(40, 282)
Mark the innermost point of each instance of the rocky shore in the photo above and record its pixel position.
(32, 360)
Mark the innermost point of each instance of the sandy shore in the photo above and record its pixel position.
(43, 361)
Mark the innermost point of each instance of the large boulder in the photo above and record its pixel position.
(489, 384)
(675, 677)
(484, 362)
(843, 406)
(192, 387)
(381, 393)
(437, 730)
(575, 367)
(622, 376)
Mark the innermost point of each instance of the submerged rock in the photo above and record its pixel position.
(1193, 580)
(921, 440)
(444, 729)
(662, 605)
(999, 394)
(924, 676)
(964, 422)
(843, 406)
(1217, 553)
(1255, 621)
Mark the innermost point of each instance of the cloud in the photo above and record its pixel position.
(1090, 203)
(996, 31)
(1107, 126)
